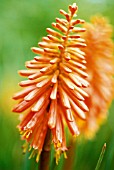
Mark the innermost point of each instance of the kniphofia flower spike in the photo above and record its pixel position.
(100, 69)
(54, 93)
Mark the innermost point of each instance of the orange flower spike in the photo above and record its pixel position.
(54, 92)
(100, 68)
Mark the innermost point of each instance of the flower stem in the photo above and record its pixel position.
(45, 155)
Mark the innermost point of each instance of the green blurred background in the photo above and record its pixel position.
(22, 24)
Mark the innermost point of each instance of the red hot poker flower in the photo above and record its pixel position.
(100, 69)
(54, 91)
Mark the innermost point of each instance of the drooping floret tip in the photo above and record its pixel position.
(73, 8)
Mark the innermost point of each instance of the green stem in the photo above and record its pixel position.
(45, 155)
(101, 157)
